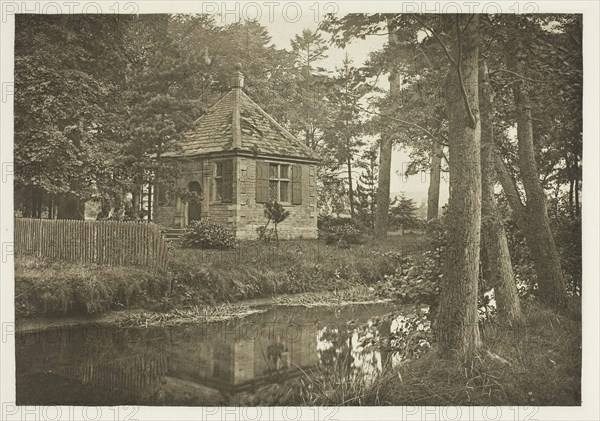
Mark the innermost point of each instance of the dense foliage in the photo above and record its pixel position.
(206, 234)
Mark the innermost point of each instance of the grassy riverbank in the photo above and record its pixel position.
(199, 278)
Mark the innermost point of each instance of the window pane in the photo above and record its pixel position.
(218, 188)
(273, 171)
(285, 188)
(285, 171)
(219, 169)
(273, 187)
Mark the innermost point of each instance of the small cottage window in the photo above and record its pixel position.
(279, 182)
(223, 181)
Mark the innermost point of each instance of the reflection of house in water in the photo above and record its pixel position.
(172, 365)
(243, 363)
(190, 365)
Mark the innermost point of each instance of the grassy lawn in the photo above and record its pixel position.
(252, 270)
(257, 269)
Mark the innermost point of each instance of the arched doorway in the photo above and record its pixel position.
(194, 206)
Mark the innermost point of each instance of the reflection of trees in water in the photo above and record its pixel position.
(362, 352)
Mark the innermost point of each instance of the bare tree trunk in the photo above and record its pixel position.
(350, 187)
(571, 185)
(577, 204)
(457, 327)
(385, 156)
(433, 193)
(533, 220)
(493, 236)
(539, 237)
(135, 202)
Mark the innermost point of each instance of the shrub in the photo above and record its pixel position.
(325, 223)
(275, 212)
(343, 235)
(205, 234)
(415, 283)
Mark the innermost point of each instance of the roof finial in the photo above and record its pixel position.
(238, 77)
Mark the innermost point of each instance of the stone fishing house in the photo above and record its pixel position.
(236, 158)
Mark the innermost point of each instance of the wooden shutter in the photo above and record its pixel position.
(296, 184)
(228, 171)
(262, 182)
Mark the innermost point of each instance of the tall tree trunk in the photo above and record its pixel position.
(577, 204)
(385, 154)
(350, 187)
(457, 327)
(433, 193)
(533, 219)
(571, 185)
(539, 237)
(493, 235)
(135, 202)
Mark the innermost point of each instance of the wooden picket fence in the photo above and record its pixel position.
(113, 243)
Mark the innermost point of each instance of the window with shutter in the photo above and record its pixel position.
(228, 173)
(296, 185)
(223, 181)
(262, 182)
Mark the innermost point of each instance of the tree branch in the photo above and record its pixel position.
(439, 40)
(410, 124)
(517, 75)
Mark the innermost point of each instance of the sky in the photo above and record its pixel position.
(282, 30)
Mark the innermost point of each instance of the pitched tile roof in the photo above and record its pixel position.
(260, 133)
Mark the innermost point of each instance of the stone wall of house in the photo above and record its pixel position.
(244, 215)
(174, 212)
(302, 222)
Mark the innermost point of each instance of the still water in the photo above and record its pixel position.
(200, 364)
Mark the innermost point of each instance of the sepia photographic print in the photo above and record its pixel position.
(299, 210)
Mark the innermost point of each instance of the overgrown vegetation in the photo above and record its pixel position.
(208, 277)
(46, 287)
(341, 231)
(256, 269)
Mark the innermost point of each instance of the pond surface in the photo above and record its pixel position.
(200, 364)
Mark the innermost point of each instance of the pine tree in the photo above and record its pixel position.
(403, 212)
(311, 113)
(343, 138)
(366, 187)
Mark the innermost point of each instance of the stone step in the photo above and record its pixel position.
(173, 234)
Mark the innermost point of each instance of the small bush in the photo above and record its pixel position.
(205, 234)
(327, 222)
(343, 235)
(415, 283)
